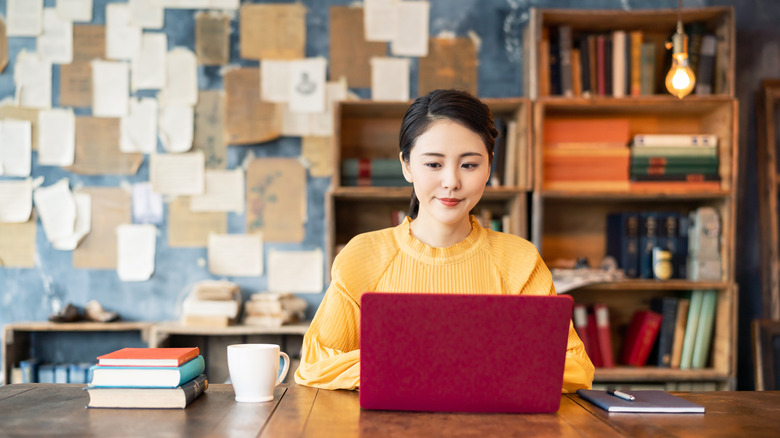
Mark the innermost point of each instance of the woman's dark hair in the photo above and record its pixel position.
(457, 106)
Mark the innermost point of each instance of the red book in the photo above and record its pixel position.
(593, 335)
(149, 357)
(641, 335)
(580, 319)
(601, 314)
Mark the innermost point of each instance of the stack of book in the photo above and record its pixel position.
(660, 161)
(213, 304)
(273, 309)
(372, 172)
(147, 378)
(593, 327)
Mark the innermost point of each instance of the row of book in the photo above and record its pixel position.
(690, 242)
(621, 62)
(675, 332)
(680, 158)
(35, 371)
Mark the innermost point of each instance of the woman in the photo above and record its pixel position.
(446, 140)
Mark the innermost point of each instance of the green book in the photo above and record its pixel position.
(683, 169)
(703, 340)
(674, 151)
(677, 160)
(692, 325)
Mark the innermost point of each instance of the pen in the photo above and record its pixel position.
(621, 394)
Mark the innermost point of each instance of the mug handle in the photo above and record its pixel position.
(286, 368)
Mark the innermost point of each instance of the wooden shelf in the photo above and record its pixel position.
(644, 285)
(655, 374)
(403, 193)
(643, 195)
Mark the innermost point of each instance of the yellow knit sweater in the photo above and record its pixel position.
(392, 260)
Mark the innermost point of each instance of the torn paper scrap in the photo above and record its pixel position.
(83, 224)
(57, 209)
(56, 137)
(176, 127)
(135, 247)
(15, 147)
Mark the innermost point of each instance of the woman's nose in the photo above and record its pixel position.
(451, 179)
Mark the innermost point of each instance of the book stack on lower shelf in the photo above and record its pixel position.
(662, 161)
(372, 172)
(212, 304)
(152, 378)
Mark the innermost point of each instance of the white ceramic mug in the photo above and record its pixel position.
(254, 370)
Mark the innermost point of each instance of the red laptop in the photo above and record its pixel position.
(463, 353)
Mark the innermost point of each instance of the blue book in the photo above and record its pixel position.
(77, 372)
(644, 401)
(61, 373)
(682, 246)
(29, 369)
(147, 377)
(46, 373)
(623, 241)
(648, 239)
(668, 223)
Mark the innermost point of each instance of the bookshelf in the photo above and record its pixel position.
(370, 130)
(571, 223)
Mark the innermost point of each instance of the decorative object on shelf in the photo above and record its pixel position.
(680, 80)
(568, 279)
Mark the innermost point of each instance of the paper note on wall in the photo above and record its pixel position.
(147, 205)
(110, 88)
(451, 63)
(177, 174)
(24, 17)
(55, 44)
(135, 251)
(17, 244)
(349, 50)
(295, 271)
(379, 19)
(57, 137)
(123, 39)
(247, 118)
(212, 38)
(16, 200)
(307, 85)
(32, 77)
(138, 130)
(97, 148)
(275, 80)
(57, 209)
(181, 83)
(76, 84)
(75, 10)
(209, 116)
(20, 113)
(176, 127)
(15, 147)
(147, 14)
(317, 151)
(276, 199)
(148, 67)
(82, 226)
(224, 192)
(89, 42)
(110, 208)
(411, 33)
(390, 79)
(3, 46)
(322, 123)
(273, 31)
(236, 255)
(187, 228)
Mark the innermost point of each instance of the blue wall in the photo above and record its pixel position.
(28, 294)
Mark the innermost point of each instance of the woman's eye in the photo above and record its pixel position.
(433, 165)
(470, 165)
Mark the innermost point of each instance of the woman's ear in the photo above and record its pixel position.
(405, 168)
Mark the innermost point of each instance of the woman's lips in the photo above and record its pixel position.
(449, 202)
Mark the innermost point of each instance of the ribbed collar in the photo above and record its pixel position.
(428, 254)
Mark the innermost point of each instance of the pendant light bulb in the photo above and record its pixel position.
(680, 80)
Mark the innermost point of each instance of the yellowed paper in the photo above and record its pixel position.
(15, 147)
(97, 149)
(177, 174)
(247, 118)
(110, 208)
(317, 152)
(57, 130)
(76, 84)
(110, 88)
(181, 71)
(16, 200)
(57, 209)
(17, 244)
(24, 17)
(451, 63)
(273, 31)
(149, 65)
(349, 50)
(138, 130)
(236, 255)
(295, 271)
(123, 39)
(20, 113)
(209, 114)
(390, 79)
(187, 228)
(75, 10)
(32, 77)
(89, 42)
(411, 33)
(276, 199)
(135, 251)
(55, 44)
(3, 46)
(212, 38)
(224, 192)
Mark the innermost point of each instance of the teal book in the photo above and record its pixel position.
(644, 402)
(703, 340)
(147, 377)
(691, 326)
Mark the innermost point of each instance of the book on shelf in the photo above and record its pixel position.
(674, 169)
(649, 152)
(396, 181)
(601, 57)
(207, 320)
(29, 368)
(608, 68)
(640, 336)
(79, 372)
(675, 177)
(680, 322)
(564, 60)
(555, 61)
(635, 72)
(623, 241)
(704, 262)
(580, 321)
(587, 132)
(648, 239)
(593, 337)
(706, 69)
(645, 401)
(497, 166)
(618, 64)
(151, 377)
(695, 32)
(158, 398)
(691, 325)
(661, 354)
(215, 290)
(371, 167)
(703, 341)
(61, 373)
(604, 335)
(149, 357)
(576, 71)
(584, 51)
(511, 156)
(668, 236)
(674, 140)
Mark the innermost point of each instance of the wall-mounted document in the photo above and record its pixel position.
(97, 148)
(123, 39)
(411, 33)
(212, 38)
(32, 77)
(379, 19)
(76, 84)
(16, 200)
(451, 63)
(275, 80)
(307, 85)
(89, 42)
(24, 17)
(295, 271)
(317, 152)
(110, 88)
(149, 66)
(224, 192)
(3, 46)
(138, 129)
(390, 79)
(322, 123)
(200, 4)
(349, 50)
(15, 147)
(57, 137)
(273, 31)
(236, 255)
(17, 244)
(82, 226)
(135, 251)
(247, 118)
(147, 14)
(187, 228)
(147, 205)
(176, 127)
(209, 116)
(177, 174)
(55, 44)
(110, 208)
(57, 209)
(75, 10)
(276, 199)
(181, 84)
(20, 113)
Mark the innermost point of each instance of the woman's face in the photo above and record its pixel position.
(449, 167)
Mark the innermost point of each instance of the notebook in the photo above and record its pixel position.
(463, 353)
(644, 401)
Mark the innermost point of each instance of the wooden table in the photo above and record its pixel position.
(58, 410)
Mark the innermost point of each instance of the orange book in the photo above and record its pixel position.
(149, 357)
(580, 130)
